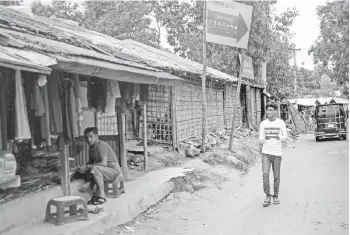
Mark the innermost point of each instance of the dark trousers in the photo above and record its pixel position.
(275, 161)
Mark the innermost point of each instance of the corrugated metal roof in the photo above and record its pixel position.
(25, 60)
(162, 59)
(59, 37)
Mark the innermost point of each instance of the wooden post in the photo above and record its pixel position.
(224, 103)
(204, 98)
(96, 118)
(121, 132)
(256, 108)
(248, 99)
(145, 136)
(236, 104)
(265, 102)
(77, 97)
(65, 181)
(173, 118)
(47, 115)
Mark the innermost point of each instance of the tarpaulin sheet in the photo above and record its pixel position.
(118, 72)
(26, 60)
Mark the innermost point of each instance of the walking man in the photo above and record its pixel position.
(272, 133)
(103, 165)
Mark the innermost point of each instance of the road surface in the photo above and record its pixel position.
(314, 195)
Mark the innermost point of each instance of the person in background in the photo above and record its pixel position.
(272, 133)
(103, 165)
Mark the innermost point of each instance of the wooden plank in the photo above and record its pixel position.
(121, 132)
(173, 118)
(145, 137)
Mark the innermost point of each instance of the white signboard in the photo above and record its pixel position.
(228, 23)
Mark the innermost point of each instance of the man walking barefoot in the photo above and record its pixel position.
(272, 133)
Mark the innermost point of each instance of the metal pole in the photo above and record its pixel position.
(204, 98)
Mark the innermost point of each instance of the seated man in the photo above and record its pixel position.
(102, 166)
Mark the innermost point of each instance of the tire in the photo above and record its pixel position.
(318, 139)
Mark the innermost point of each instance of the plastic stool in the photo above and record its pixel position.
(117, 187)
(61, 203)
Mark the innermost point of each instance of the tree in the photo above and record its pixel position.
(112, 18)
(11, 3)
(269, 39)
(331, 49)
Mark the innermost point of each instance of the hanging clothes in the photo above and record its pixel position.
(54, 88)
(22, 123)
(70, 126)
(113, 92)
(39, 105)
(3, 107)
(36, 108)
(97, 93)
(9, 117)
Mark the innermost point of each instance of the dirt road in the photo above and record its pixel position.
(314, 197)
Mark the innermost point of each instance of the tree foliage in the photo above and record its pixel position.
(331, 49)
(113, 18)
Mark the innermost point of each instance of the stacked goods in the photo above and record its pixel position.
(298, 124)
(8, 167)
(46, 159)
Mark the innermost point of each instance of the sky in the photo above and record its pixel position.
(305, 27)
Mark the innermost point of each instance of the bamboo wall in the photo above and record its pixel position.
(189, 108)
(158, 114)
(230, 98)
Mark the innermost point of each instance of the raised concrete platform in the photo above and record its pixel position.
(140, 195)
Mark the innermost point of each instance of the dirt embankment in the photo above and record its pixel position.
(246, 151)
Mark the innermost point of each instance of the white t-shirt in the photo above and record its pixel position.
(268, 133)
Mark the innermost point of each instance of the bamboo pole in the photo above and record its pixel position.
(204, 98)
(236, 104)
(65, 181)
(121, 132)
(173, 118)
(145, 136)
(248, 99)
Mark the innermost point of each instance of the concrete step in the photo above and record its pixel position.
(25, 216)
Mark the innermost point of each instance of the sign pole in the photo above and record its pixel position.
(236, 104)
(204, 98)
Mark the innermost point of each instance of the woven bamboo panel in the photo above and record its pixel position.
(189, 110)
(230, 94)
(107, 125)
(158, 114)
(243, 112)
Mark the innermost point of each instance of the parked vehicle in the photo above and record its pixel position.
(330, 121)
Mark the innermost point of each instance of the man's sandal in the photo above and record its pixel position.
(276, 201)
(267, 201)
